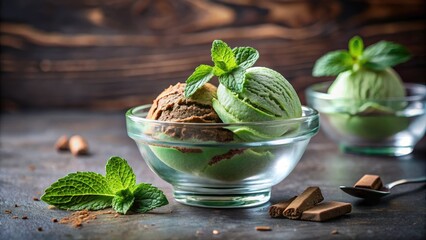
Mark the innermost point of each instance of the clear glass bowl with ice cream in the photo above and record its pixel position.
(223, 149)
(368, 109)
(389, 127)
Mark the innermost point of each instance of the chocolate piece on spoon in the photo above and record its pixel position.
(370, 182)
(385, 190)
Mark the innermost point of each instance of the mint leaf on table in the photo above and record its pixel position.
(222, 56)
(385, 54)
(119, 174)
(92, 191)
(333, 63)
(147, 197)
(198, 78)
(234, 80)
(245, 56)
(123, 200)
(81, 190)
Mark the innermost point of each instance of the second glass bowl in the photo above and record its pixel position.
(209, 173)
(389, 127)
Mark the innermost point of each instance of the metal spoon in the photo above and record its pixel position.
(385, 190)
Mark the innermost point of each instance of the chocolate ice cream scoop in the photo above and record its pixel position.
(172, 106)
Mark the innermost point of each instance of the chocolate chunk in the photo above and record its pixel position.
(308, 199)
(326, 210)
(277, 209)
(369, 181)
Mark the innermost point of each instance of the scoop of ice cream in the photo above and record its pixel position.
(172, 106)
(217, 163)
(266, 96)
(368, 117)
(365, 85)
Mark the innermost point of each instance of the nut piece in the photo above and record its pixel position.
(62, 143)
(263, 228)
(78, 145)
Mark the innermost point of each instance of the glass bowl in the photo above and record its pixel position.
(209, 173)
(389, 127)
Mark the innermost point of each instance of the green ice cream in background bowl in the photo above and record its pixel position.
(224, 146)
(367, 108)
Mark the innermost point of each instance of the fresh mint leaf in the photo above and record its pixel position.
(222, 56)
(147, 197)
(384, 54)
(198, 78)
(234, 80)
(245, 56)
(356, 46)
(119, 174)
(92, 191)
(81, 190)
(218, 71)
(333, 63)
(123, 200)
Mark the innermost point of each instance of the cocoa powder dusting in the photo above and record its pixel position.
(76, 219)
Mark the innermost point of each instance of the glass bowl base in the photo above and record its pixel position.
(211, 200)
(378, 151)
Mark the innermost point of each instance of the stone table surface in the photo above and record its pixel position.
(29, 163)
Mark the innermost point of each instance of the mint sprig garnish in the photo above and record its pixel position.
(376, 57)
(229, 67)
(245, 56)
(93, 191)
(333, 63)
(198, 78)
(234, 79)
(385, 54)
(222, 56)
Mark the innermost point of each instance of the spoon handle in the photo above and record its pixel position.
(405, 181)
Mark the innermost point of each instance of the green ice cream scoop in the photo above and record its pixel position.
(364, 85)
(368, 84)
(266, 96)
(366, 116)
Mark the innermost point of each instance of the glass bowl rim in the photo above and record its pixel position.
(131, 114)
(312, 91)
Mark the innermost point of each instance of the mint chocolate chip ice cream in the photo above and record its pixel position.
(245, 94)
(215, 163)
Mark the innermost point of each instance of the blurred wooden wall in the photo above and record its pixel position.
(114, 54)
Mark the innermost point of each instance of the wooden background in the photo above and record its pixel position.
(114, 54)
